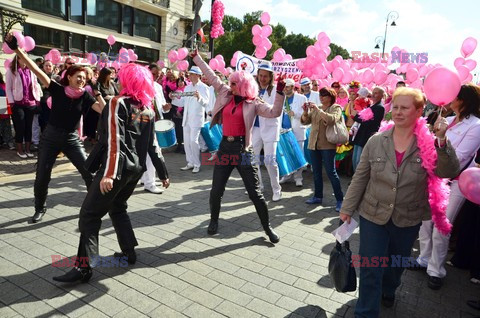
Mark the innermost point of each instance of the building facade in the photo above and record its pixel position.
(150, 27)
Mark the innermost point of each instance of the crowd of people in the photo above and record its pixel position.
(399, 168)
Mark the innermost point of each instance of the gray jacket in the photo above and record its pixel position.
(380, 191)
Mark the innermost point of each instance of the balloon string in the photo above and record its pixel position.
(108, 54)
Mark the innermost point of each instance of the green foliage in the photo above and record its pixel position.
(238, 37)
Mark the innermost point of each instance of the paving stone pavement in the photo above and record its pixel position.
(183, 272)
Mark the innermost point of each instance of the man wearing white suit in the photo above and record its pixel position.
(292, 112)
(306, 85)
(266, 131)
(193, 118)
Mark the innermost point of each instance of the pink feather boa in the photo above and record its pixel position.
(366, 114)
(438, 190)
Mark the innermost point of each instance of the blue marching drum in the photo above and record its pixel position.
(165, 131)
(289, 155)
(212, 137)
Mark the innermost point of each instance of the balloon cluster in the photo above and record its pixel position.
(464, 66)
(218, 12)
(260, 36)
(218, 64)
(179, 56)
(233, 61)
(315, 64)
(24, 42)
(280, 56)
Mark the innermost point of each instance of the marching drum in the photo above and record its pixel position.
(213, 136)
(165, 131)
(289, 155)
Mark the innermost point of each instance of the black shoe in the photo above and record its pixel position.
(38, 215)
(76, 274)
(475, 304)
(274, 238)
(213, 227)
(416, 267)
(434, 283)
(388, 301)
(130, 255)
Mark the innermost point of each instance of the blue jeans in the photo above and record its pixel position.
(357, 153)
(326, 157)
(377, 241)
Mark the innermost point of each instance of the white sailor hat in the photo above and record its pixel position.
(289, 82)
(265, 65)
(305, 81)
(195, 70)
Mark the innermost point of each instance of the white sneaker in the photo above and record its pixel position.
(277, 196)
(154, 189)
(196, 169)
(299, 183)
(187, 167)
(285, 179)
(212, 157)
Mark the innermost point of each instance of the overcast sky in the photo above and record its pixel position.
(436, 27)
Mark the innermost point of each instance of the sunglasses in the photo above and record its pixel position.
(324, 95)
(70, 63)
(335, 86)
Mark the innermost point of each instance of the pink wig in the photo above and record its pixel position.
(137, 83)
(246, 84)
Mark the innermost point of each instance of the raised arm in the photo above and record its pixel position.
(12, 43)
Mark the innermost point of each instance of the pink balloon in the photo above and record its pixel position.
(321, 35)
(219, 57)
(257, 39)
(300, 64)
(160, 64)
(260, 52)
(468, 47)
(470, 64)
(213, 64)
(412, 75)
(368, 76)
(20, 38)
(267, 30)
(182, 65)
(256, 29)
(221, 63)
(468, 79)
(29, 43)
(6, 49)
(135, 57)
(337, 74)
(278, 55)
(324, 42)
(422, 71)
(347, 77)
(458, 61)
(441, 86)
(172, 56)
(182, 53)
(463, 72)
(233, 61)
(380, 77)
(469, 184)
(288, 57)
(310, 50)
(265, 18)
(327, 51)
(267, 44)
(111, 40)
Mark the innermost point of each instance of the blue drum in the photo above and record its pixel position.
(213, 136)
(165, 131)
(289, 155)
(306, 151)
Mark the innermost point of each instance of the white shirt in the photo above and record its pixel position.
(193, 108)
(465, 139)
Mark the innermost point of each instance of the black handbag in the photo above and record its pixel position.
(340, 268)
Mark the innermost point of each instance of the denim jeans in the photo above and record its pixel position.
(326, 157)
(357, 153)
(377, 241)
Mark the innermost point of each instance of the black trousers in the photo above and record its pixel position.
(52, 142)
(233, 155)
(96, 205)
(22, 117)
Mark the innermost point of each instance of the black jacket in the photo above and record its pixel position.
(127, 134)
(369, 128)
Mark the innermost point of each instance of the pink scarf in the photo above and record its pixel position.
(438, 190)
(74, 92)
(366, 114)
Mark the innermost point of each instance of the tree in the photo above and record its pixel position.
(296, 44)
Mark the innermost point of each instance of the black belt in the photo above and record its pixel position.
(61, 128)
(234, 138)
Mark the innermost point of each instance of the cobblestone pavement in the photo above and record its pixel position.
(181, 271)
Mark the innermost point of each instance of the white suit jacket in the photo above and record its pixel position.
(193, 109)
(269, 127)
(465, 139)
(297, 107)
(314, 97)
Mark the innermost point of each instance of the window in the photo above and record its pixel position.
(52, 7)
(45, 38)
(147, 25)
(103, 13)
(148, 55)
(78, 43)
(76, 11)
(127, 20)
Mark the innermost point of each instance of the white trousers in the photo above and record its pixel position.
(270, 159)
(191, 144)
(36, 131)
(148, 177)
(433, 244)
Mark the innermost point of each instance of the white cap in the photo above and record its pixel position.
(289, 82)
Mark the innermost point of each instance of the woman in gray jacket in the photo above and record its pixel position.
(396, 186)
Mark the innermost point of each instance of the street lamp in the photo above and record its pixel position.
(378, 41)
(392, 16)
